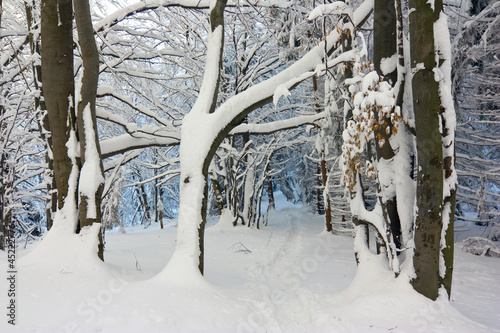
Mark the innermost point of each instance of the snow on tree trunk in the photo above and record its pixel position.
(322, 146)
(216, 188)
(249, 191)
(270, 193)
(59, 92)
(198, 133)
(448, 121)
(91, 179)
(385, 62)
(426, 104)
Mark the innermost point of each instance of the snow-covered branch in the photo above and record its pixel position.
(145, 5)
(279, 125)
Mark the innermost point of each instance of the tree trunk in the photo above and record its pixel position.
(51, 207)
(320, 208)
(160, 208)
(447, 249)
(92, 169)
(58, 84)
(189, 251)
(217, 192)
(143, 199)
(248, 191)
(270, 193)
(448, 117)
(326, 195)
(155, 193)
(384, 36)
(426, 106)
(385, 47)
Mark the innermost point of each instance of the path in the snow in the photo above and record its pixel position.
(282, 280)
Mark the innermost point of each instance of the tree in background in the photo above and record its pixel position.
(476, 92)
(22, 148)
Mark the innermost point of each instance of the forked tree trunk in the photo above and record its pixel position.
(188, 255)
(189, 251)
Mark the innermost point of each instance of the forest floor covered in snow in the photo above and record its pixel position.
(289, 276)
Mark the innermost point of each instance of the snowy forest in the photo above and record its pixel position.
(250, 165)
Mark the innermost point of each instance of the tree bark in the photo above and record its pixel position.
(326, 195)
(426, 106)
(448, 248)
(58, 84)
(447, 113)
(217, 191)
(325, 198)
(89, 209)
(385, 47)
(189, 250)
(270, 193)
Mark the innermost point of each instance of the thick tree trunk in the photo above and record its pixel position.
(428, 224)
(89, 209)
(51, 207)
(58, 84)
(189, 251)
(384, 36)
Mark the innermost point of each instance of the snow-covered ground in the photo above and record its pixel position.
(287, 277)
